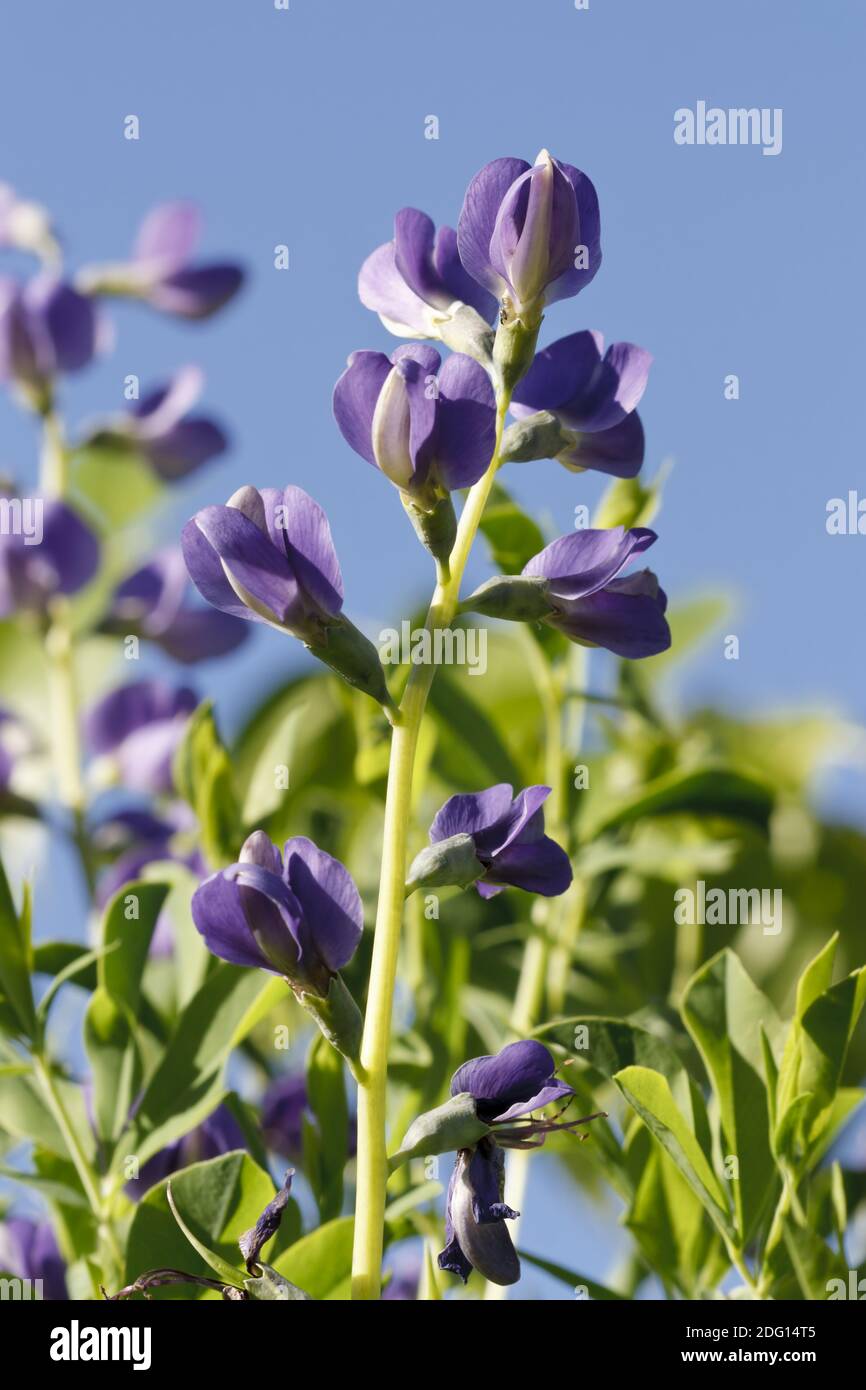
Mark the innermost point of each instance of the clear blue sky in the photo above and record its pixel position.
(307, 127)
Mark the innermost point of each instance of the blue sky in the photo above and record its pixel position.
(306, 127)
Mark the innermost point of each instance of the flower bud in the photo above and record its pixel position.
(353, 656)
(452, 1126)
(518, 598)
(448, 863)
(435, 528)
(539, 436)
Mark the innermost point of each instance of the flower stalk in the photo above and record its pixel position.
(372, 1154)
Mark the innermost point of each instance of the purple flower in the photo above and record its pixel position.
(162, 270)
(298, 914)
(253, 1241)
(46, 328)
(154, 603)
(495, 840)
(138, 838)
(161, 429)
(28, 1250)
(530, 233)
(140, 727)
(430, 431)
(416, 283)
(506, 1090)
(219, 1134)
(593, 398)
(268, 556)
(45, 549)
(284, 1108)
(590, 604)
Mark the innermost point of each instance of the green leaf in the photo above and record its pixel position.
(23, 1110)
(321, 1262)
(513, 536)
(572, 1278)
(16, 958)
(630, 501)
(217, 1201)
(113, 480)
(468, 749)
(815, 1056)
(712, 790)
(204, 777)
(649, 1093)
(326, 1145)
(127, 939)
(725, 1013)
(115, 1066)
(229, 1273)
(187, 1084)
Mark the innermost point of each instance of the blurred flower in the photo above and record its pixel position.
(46, 328)
(218, 1134)
(428, 430)
(506, 1090)
(59, 554)
(590, 604)
(268, 556)
(592, 397)
(417, 284)
(25, 226)
(162, 271)
(298, 914)
(139, 727)
(28, 1250)
(284, 1108)
(530, 233)
(405, 1280)
(160, 428)
(495, 840)
(138, 838)
(154, 603)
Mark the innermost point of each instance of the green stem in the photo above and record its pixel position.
(88, 1178)
(372, 1171)
(54, 461)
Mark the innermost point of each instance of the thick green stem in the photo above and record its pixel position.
(372, 1173)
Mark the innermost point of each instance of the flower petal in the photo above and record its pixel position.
(584, 561)
(355, 397)
(626, 617)
(469, 812)
(219, 918)
(198, 292)
(478, 215)
(329, 899)
(251, 559)
(516, 1073)
(457, 281)
(588, 234)
(618, 451)
(559, 374)
(169, 234)
(413, 255)
(208, 575)
(466, 422)
(382, 288)
(300, 527)
(538, 866)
